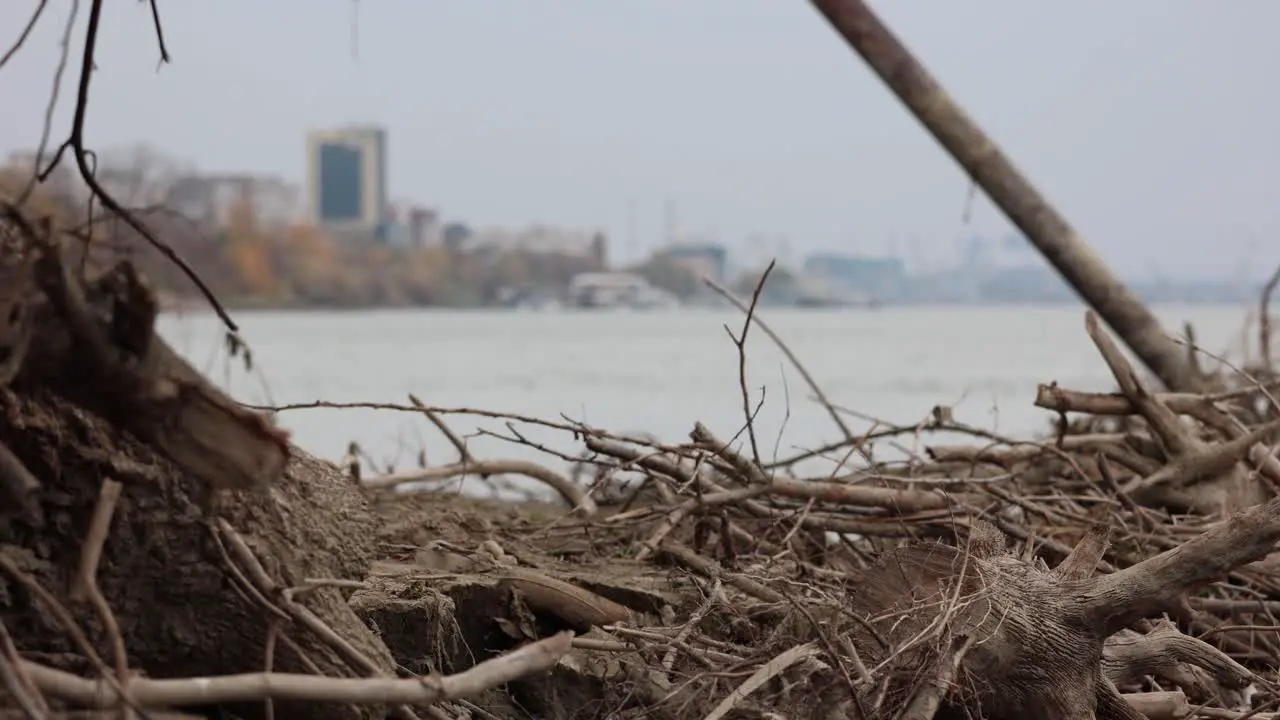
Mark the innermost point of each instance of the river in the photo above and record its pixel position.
(655, 372)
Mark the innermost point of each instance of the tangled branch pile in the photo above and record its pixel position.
(165, 550)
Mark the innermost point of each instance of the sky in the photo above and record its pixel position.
(1150, 123)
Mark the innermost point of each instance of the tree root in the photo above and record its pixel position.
(1039, 634)
(1202, 671)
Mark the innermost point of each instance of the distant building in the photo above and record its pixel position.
(347, 179)
(210, 199)
(704, 260)
(874, 278)
(423, 227)
(410, 225)
(591, 247)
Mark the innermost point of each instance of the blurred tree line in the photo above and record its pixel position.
(248, 257)
(246, 261)
(301, 265)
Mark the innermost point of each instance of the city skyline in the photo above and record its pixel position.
(283, 255)
(752, 120)
(142, 176)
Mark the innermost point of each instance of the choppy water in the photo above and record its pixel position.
(656, 372)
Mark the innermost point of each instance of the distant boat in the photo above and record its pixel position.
(608, 290)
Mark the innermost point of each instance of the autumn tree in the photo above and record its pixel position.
(427, 274)
(311, 262)
(250, 252)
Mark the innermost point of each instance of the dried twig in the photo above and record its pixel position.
(85, 586)
(740, 342)
(26, 32)
(573, 493)
(1264, 318)
(464, 455)
(789, 354)
(530, 659)
(75, 144)
(766, 672)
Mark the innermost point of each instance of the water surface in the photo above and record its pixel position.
(656, 372)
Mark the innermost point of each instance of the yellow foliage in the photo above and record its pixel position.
(249, 253)
(427, 267)
(312, 263)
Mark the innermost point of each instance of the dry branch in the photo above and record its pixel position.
(572, 493)
(581, 609)
(762, 676)
(1158, 584)
(533, 658)
(1202, 476)
(1199, 668)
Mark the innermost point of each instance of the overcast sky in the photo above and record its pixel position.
(1151, 123)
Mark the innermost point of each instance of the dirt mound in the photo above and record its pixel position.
(164, 569)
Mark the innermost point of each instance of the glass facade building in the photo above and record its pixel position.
(341, 181)
(348, 179)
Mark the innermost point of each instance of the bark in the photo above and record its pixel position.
(1038, 635)
(100, 396)
(1204, 672)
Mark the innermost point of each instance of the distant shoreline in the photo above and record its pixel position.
(197, 306)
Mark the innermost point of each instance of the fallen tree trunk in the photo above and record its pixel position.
(227, 549)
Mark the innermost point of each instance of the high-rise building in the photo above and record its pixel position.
(347, 179)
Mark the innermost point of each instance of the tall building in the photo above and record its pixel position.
(347, 179)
